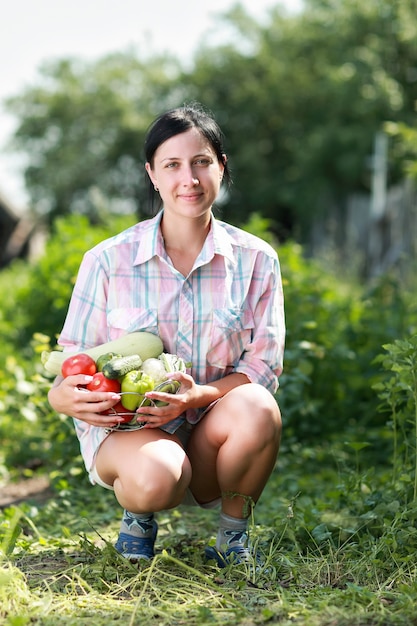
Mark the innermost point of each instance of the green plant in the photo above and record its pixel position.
(44, 297)
(398, 393)
(336, 523)
(335, 329)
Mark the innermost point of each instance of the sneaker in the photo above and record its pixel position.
(134, 548)
(236, 555)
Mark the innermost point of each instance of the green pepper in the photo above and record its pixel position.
(134, 385)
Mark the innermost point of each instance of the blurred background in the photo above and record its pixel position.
(91, 30)
(317, 100)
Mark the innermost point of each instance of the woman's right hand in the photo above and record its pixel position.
(68, 396)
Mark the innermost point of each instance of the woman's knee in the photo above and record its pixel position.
(151, 492)
(259, 405)
(248, 413)
(148, 475)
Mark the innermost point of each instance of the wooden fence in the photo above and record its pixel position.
(372, 237)
(374, 233)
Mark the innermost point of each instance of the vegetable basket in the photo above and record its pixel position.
(130, 418)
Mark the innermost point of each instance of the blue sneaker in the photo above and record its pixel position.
(135, 548)
(236, 555)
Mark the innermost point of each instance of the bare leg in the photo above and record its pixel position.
(148, 469)
(234, 448)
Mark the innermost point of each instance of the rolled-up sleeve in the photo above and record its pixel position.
(262, 360)
(86, 321)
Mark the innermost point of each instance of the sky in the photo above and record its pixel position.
(34, 31)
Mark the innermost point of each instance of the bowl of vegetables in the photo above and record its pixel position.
(126, 374)
(132, 400)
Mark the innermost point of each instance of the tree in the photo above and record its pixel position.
(83, 128)
(302, 97)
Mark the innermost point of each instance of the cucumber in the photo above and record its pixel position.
(121, 365)
(105, 358)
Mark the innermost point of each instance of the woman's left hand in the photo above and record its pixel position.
(187, 397)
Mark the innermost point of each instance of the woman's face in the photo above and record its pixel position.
(187, 173)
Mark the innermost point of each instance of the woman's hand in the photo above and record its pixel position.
(67, 396)
(189, 396)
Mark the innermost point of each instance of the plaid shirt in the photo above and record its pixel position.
(226, 316)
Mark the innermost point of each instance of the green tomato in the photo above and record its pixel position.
(134, 385)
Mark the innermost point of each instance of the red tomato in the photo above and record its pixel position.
(117, 408)
(102, 383)
(78, 364)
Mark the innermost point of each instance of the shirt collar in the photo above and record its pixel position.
(222, 241)
(151, 243)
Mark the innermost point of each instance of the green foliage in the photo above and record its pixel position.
(34, 301)
(44, 297)
(336, 523)
(32, 435)
(398, 393)
(404, 146)
(335, 330)
(300, 99)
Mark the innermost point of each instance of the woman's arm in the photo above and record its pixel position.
(262, 359)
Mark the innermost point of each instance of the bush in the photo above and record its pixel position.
(34, 303)
(335, 329)
(45, 296)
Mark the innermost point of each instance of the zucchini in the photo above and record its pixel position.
(121, 365)
(144, 344)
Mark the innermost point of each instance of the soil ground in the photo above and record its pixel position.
(35, 489)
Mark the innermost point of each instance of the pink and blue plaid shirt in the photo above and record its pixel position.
(226, 316)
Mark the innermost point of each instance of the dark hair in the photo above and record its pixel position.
(177, 121)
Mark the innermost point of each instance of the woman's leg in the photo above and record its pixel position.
(233, 452)
(149, 469)
(234, 448)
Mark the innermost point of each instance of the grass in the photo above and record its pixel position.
(337, 523)
(339, 548)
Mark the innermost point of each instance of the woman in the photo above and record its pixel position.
(213, 294)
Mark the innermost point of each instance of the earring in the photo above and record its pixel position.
(156, 188)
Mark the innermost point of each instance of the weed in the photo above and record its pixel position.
(399, 396)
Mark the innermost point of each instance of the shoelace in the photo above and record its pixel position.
(133, 547)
